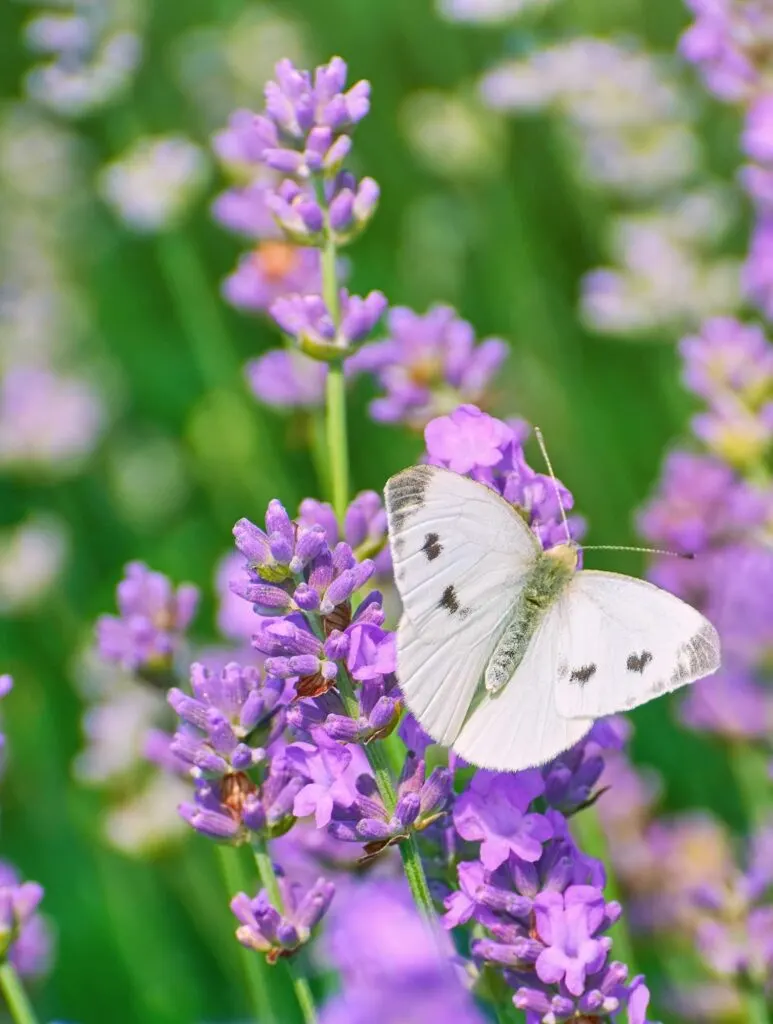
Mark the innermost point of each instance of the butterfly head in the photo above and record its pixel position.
(566, 555)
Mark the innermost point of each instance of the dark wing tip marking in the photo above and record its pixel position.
(404, 493)
(699, 657)
(449, 600)
(638, 662)
(432, 546)
(582, 675)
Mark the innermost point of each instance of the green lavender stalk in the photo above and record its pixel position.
(16, 999)
(338, 468)
(270, 883)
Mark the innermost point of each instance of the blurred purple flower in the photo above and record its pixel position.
(757, 139)
(267, 273)
(25, 938)
(152, 622)
(390, 957)
(428, 365)
(287, 379)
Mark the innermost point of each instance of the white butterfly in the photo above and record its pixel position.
(507, 653)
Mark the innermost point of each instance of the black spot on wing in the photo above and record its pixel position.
(432, 547)
(449, 600)
(582, 675)
(404, 494)
(638, 662)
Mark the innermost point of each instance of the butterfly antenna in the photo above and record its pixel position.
(546, 457)
(641, 551)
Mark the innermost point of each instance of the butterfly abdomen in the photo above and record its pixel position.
(543, 586)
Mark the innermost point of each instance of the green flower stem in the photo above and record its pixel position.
(590, 835)
(16, 999)
(757, 1007)
(379, 763)
(255, 969)
(338, 470)
(337, 441)
(270, 883)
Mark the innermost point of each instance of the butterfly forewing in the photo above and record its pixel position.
(461, 555)
(622, 641)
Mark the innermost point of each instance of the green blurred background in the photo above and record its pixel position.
(506, 245)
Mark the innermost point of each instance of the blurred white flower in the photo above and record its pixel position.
(152, 185)
(663, 278)
(148, 820)
(451, 135)
(626, 113)
(487, 11)
(224, 67)
(115, 731)
(73, 88)
(32, 556)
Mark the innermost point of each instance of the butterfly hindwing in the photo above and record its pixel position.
(461, 554)
(623, 641)
(518, 726)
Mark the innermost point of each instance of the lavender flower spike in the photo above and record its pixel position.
(307, 121)
(153, 618)
(309, 321)
(263, 928)
(230, 719)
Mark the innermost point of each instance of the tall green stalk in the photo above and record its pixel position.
(338, 468)
(19, 1006)
(270, 883)
(255, 969)
(337, 439)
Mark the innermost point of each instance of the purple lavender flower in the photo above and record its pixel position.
(493, 811)
(292, 569)
(153, 620)
(428, 365)
(308, 320)
(277, 933)
(228, 809)
(489, 450)
(229, 721)
(421, 801)
(365, 527)
(307, 121)
(25, 939)
(567, 923)
(303, 218)
(389, 957)
(324, 765)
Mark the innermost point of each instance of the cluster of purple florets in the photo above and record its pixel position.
(300, 205)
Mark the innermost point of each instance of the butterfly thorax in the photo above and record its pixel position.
(543, 586)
